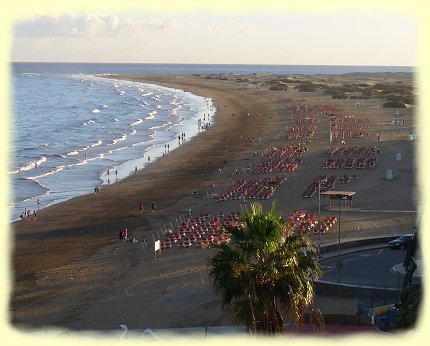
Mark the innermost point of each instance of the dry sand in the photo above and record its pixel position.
(70, 270)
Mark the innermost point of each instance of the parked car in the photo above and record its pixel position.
(401, 242)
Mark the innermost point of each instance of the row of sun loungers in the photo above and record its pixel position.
(349, 130)
(253, 189)
(346, 179)
(302, 119)
(329, 108)
(348, 119)
(316, 109)
(349, 134)
(305, 131)
(302, 222)
(291, 150)
(348, 127)
(352, 151)
(325, 184)
(286, 165)
(349, 163)
(200, 231)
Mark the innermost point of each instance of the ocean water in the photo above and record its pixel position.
(74, 130)
(92, 68)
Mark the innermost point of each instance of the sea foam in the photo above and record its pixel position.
(80, 148)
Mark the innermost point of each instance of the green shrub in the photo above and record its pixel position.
(339, 96)
(409, 99)
(307, 87)
(394, 104)
(279, 87)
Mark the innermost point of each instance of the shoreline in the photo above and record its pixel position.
(162, 132)
(152, 167)
(78, 238)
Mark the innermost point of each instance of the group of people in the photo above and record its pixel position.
(203, 125)
(108, 175)
(28, 215)
(123, 236)
(141, 207)
(181, 137)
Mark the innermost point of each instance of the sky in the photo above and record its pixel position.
(286, 37)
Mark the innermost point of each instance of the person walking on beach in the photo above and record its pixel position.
(153, 206)
(125, 233)
(121, 235)
(141, 207)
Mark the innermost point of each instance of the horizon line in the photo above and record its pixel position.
(181, 63)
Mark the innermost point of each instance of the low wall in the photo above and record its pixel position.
(342, 320)
(362, 242)
(332, 289)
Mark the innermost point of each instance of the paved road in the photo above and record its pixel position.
(367, 268)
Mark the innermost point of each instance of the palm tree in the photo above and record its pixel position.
(265, 273)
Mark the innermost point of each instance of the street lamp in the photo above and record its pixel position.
(319, 217)
(339, 263)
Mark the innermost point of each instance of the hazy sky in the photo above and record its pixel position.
(247, 37)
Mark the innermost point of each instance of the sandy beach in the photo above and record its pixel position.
(70, 270)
